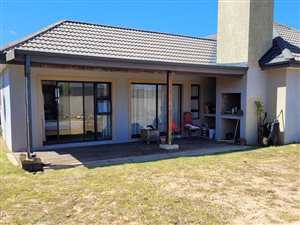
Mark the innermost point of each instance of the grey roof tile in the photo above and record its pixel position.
(286, 46)
(84, 39)
(76, 38)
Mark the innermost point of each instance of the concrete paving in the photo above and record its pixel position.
(107, 155)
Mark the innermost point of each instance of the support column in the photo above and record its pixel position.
(28, 106)
(170, 76)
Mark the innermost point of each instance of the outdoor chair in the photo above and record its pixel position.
(189, 126)
(175, 130)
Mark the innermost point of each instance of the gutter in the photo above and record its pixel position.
(46, 57)
(284, 64)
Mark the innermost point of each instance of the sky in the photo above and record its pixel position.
(198, 18)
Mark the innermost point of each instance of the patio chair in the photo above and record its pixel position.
(175, 130)
(189, 126)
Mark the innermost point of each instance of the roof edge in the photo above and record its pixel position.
(30, 36)
(292, 63)
(233, 67)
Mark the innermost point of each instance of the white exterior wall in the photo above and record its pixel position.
(121, 116)
(283, 94)
(5, 112)
(255, 90)
(292, 117)
(276, 95)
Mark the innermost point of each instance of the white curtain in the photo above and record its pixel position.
(143, 106)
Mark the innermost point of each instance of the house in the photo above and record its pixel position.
(77, 84)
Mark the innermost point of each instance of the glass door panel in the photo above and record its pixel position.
(89, 112)
(103, 127)
(143, 107)
(149, 107)
(162, 108)
(176, 101)
(70, 111)
(50, 131)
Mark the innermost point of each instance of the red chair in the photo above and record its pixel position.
(175, 129)
(188, 124)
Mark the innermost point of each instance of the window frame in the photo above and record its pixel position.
(195, 98)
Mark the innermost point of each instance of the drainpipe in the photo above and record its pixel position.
(28, 106)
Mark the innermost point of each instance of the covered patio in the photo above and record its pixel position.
(133, 152)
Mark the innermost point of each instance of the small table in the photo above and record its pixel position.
(150, 135)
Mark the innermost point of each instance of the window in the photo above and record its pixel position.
(195, 90)
(149, 107)
(76, 111)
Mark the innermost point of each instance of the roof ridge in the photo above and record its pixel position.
(31, 36)
(140, 30)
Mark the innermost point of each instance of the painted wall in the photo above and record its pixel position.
(276, 95)
(245, 30)
(5, 112)
(292, 117)
(120, 96)
(283, 95)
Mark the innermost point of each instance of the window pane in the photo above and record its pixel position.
(103, 106)
(70, 111)
(195, 104)
(162, 108)
(195, 115)
(144, 102)
(89, 111)
(176, 99)
(103, 127)
(143, 107)
(195, 90)
(103, 90)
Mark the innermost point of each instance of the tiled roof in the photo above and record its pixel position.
(77, 38)
(85, 39)
(286, 46)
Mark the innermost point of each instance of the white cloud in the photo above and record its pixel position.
(13, 32)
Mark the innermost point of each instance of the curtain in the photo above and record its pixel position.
(146, 101)
(143, 106)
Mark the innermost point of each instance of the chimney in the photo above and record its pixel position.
(245, 30)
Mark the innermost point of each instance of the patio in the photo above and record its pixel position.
(134, 152)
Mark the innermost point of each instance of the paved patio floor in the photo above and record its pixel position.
(134, 152)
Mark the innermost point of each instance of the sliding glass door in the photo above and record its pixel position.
(70, 111)
(76, 111)
(149, 107)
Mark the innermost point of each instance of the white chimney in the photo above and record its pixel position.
(245, 30)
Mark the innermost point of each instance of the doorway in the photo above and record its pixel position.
(76, 111)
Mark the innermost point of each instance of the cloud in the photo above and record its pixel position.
(13, 32)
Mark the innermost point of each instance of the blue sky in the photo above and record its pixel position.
(191, 17)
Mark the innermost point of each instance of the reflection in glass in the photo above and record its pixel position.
(103, 106)
(103, 90)
(104, 127)
(70, 111)
(89, 111)
(195, 90)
